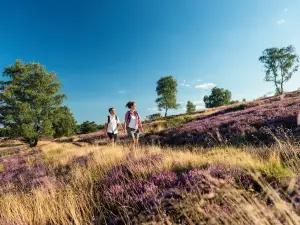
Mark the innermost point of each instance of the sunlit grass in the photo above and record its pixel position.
(75, 202)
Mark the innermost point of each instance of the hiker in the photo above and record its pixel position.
(112, 124)
(133, 124)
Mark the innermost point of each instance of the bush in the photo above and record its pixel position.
(154, 116)
(176, 121)
(87, 127)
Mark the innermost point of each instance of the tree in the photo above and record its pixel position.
(167, 91)
(190, 107)
(88, 127)
(28, 100)
(218, 97)
(64, 123)
(280, 65)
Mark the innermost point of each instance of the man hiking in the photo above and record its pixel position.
(112, 123)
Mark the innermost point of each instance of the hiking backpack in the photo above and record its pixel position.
(129, 116)
(108, 119)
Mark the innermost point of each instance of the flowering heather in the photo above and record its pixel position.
(25, 176)
(165, 179)
(234, 125)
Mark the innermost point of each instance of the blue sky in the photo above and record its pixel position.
(108, 52)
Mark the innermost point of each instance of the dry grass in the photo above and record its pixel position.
(75, 201)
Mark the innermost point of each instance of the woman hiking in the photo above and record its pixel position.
(133, 124)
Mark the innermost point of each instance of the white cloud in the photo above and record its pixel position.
(280, 22)
(285, 10)
(199, 80)
(205, 86)
(152, 109)
(121, 92)
(198, 102)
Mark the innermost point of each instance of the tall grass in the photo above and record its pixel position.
(82, 195)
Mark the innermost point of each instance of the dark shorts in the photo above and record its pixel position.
(112, 136)
(133, 133)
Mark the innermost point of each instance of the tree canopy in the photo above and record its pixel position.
(280, 65)
(30, 96)
(190, 107)
(167, 92)
(88, 127)
(218, 97)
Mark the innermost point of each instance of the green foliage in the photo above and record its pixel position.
(4, 132)
(167, 91)
(28, 101)
(176, 121)
(100, 127)
(190, 107)
(187, 118)
(234, 102)
(154, 116)
(88, 127)
(280, 65)
(218, 97)
(64, 123)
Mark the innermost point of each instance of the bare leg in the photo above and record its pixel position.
(133, 143)
(113, 143)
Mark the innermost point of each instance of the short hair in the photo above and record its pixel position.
(130, 104)
(110, 109)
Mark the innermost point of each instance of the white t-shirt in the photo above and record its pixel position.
(112, 127)
(132, 122)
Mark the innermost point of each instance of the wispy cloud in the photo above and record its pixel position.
(152, 109)
(286, 9)
(121, 92)
(205, 86)
(182, 102)
(184, 84)
(198, 102)
(280, 22)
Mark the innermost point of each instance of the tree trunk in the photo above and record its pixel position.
(281, 84)
(166, 112)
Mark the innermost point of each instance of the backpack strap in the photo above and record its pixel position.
(127, 118)
(108, 119)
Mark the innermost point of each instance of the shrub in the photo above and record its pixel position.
(154, 116)
(176, 121)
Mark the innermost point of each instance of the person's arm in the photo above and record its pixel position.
(120, 125)
(105, 126)
(125, 123)
(140, 123)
